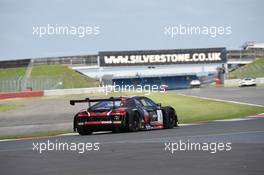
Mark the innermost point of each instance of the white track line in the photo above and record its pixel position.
(219, 100)
(68, 134)
(189, 124)
(72, 134)
(185, 136)
(233, 119)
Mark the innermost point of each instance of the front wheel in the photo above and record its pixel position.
(136, 123)
(169, 120)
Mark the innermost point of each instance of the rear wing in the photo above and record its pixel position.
(88, 100)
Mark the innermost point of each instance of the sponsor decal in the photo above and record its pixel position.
(102, 122)
(106, 122)
(184, 56)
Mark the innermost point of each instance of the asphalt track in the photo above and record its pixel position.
(251, 95)
(144, 152)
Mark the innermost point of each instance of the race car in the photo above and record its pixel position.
(247, 82)
(123, 114)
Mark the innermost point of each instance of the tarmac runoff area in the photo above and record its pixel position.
(46, 114)
(244, 95)
(148, 152)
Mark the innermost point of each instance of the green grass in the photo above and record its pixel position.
(8, 107)
(36, 134)
(191, 109)
(71, 79)
(254, 70)
(12, 72)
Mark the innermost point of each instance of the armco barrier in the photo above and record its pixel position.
(4, 95)
(235, 82)
(231, 83)
(56, 92)
(260, 81)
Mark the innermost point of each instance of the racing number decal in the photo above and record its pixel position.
(160, 116)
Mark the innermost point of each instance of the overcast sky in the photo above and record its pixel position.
(124, 25)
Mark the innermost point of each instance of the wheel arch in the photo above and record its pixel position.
(75, 122)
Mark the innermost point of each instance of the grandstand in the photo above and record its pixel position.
(168, 81)
(256, 47)
(14, 63)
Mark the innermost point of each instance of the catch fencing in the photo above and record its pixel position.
(32, 83)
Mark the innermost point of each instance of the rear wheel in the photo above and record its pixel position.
(83, 130)
(134, 123)
(169, 119)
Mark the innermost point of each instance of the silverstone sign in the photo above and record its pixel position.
(152, 57)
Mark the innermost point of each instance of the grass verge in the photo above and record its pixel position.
(8, 107)
(254, 70)
(36, 134)
(191, 109)
(71, 79)
(12, 72)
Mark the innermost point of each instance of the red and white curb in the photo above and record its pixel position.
(241, 119)
(260, 115)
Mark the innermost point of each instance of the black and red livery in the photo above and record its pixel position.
(119, 114)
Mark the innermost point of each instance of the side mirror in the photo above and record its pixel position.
(159, 104)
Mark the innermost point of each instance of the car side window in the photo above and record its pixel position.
(146, 102)
(129, 103)
(138, 103)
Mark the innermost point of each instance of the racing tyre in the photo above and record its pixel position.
(116, 130)
(169, 119)
(84, 131)
(171, 122)
(135, 123)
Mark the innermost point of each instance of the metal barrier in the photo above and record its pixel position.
(32, 83)
(11, 84)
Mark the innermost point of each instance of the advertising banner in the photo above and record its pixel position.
(159, 57)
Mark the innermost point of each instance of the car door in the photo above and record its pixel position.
(153, 110)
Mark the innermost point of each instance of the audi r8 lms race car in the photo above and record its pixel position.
(119, 114)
